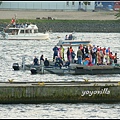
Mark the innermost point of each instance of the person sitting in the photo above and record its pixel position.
(70, 37)
(67, 64)
(86, 60)
(35, 61)
(55, 49)
(89, 63)
(66, 37)
(46, 62)
(59, 62)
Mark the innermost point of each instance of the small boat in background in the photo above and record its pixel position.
(71, 40)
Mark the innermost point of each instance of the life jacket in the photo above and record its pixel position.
(87, 58)
(71, 50)
(112, 56)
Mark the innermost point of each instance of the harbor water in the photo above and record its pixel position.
(12, 51)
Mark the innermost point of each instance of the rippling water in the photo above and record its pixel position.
(12, 51)
(61, 111)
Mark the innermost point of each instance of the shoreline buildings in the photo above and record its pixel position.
(61, 5)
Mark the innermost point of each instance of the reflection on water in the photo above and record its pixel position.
(12, 51)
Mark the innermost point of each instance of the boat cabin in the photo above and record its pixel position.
(30, 29)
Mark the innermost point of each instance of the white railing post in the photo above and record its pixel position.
(23, 62)
(42, 66)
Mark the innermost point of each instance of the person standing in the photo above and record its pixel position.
(79, 56)
(86, 50)
(107, 55)
(66, 37)
(71, 50)
(62, 52)
(73, 56)
(55, 49)
(68, 54)
(41, 59)
(115, 58)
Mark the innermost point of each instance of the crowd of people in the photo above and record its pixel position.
(86, 55)
(96, 55)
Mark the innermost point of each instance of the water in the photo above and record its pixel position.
(12, 51)
(60, 111)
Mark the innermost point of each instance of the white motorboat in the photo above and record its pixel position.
(29, 32)
(22, 31)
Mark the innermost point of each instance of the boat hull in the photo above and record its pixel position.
(72, 42)
(97, 70)
(73, 69)
(28, 37)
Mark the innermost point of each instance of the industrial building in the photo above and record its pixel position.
(48, 5)
(60, 5)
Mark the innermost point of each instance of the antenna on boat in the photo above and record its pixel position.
(15, 17)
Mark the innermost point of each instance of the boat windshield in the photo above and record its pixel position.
(28, 31)
(16, 31)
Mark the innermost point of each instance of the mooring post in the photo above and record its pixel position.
(42, 66)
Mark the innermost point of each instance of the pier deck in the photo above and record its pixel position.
(59, 92)
(74, 83)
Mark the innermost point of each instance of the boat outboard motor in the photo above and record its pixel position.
(16, 66)
(33, 71)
